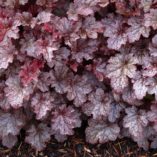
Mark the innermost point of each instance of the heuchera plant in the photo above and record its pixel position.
(66, 61)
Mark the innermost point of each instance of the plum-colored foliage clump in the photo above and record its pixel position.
(63, 62)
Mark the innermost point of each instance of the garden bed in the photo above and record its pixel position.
(76, 146)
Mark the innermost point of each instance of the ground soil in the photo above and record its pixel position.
(76, 146)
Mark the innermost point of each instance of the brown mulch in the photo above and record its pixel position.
(76, 146)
